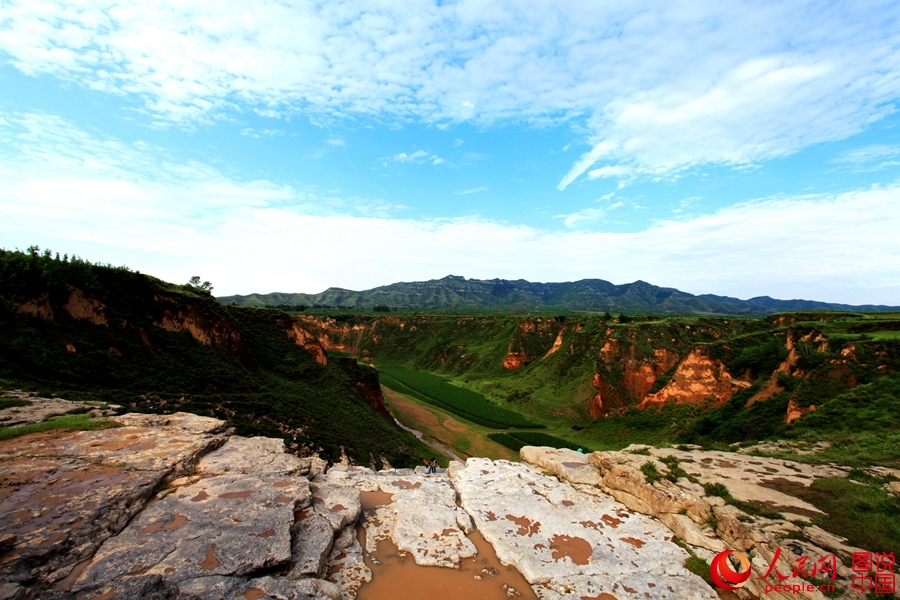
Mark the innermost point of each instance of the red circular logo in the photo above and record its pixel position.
(724, 575)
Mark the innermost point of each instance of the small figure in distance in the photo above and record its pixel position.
(433, 467)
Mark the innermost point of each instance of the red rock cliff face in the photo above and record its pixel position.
(637, 375)
(531, 340)
(309, 342)
(697, 379)
(339, 337)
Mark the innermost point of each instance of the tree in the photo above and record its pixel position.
(195, 283)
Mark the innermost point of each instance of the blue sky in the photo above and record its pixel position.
(738, 148)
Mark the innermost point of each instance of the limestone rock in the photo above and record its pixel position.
(346, 566)
(836, 544)
(64, 495)
(329, 589)
(754, 478)
(338, 500)
(312, 539)
(422, 519)
(572, 543)
(232, 524)
(237, 588)
(564, 463)
(41, 409)
(623, 479)
(689, 531)
(259, 455)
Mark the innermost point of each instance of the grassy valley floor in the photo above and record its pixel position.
(464, 438)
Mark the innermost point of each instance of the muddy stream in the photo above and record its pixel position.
(395, 574)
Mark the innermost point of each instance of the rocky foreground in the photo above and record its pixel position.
(176, 506)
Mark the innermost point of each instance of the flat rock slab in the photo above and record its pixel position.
(259, 455)
(566, 464)
(339, 504)
(40, 409)
(229, 525)
(753, 478)
(572, 543)
(236, 588)
(423, 519)
(63, 495)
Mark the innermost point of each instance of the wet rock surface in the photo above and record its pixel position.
(572, 543)
(706, 523)
(63, 494)
(422, 520)
(176, 506)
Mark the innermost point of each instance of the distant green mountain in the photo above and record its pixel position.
(597, 295)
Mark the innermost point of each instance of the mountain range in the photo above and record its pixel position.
(591, 295)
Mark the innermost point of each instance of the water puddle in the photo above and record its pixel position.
(211, 561)
(396, 573)
(69, 581)
(176, 523)
(576, 548)
(236, 495)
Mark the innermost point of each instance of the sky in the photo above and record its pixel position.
(735, 148)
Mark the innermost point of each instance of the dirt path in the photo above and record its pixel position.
(452, 435)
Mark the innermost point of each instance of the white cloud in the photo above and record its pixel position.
(584, 216)
(258, 133)
(336, 142)
(474, 190)
(584, 163)
(419, 156)
(870, 158)
(128, 204)
(610, 171)
(660, 87)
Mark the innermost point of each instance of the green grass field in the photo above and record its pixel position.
(462, 402)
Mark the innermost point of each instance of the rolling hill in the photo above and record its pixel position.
(591, 295)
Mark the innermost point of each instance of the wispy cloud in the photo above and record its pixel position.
(259, 133)
(657, 87)
(474, 190)
(419, 156)
(870, 158)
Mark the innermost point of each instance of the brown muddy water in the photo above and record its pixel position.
(395, 574)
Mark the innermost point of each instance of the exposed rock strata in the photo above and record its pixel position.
(697, 379)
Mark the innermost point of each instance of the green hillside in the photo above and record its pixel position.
(592, 295)
(81, 330)
(552, 370)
